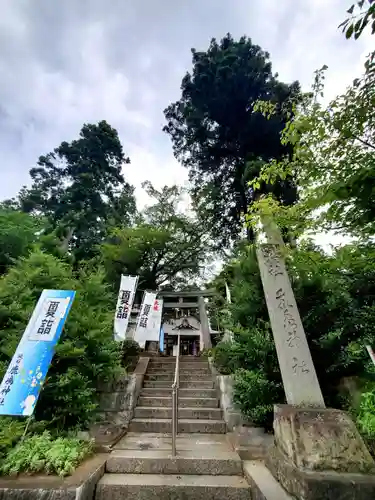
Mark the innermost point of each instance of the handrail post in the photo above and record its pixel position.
(175, 388)
(178, 380)
(174, 422)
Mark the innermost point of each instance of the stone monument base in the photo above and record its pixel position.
(319, 455)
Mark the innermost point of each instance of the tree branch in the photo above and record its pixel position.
(365, 143)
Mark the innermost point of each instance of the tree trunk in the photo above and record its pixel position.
(66, 241)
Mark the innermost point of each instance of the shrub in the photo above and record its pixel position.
(86, 353)
(18, 232)
(130, 353)
(335, 296)
(251, 357)
(255, 396)
(251, 348)
(11, 430)
(366, 418)
(225, 357)
(42, 453)
(206, 353)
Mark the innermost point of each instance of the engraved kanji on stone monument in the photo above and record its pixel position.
(300, 382)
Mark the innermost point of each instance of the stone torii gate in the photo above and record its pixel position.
(196, 302)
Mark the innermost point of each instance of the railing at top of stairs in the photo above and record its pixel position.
(175, 388)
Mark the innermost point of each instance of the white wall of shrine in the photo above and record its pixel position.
(175, 327)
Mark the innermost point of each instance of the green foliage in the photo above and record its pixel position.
(11, 430)
(225, 358)
(251, 357)
(333, 160)
(251, 347)
(255, 396)
(166, 247)
(130, 353)
(219, 137)
(362, 14)
(206, 353)
(336, 298)
(86, 353)
(80, 189)
(366, 417)
(18, 232)
(42, 453)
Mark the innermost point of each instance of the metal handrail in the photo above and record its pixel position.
(175, 388)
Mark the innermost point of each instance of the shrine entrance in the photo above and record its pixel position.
(190, 345)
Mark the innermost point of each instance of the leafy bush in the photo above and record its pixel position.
(251, 357)
(251, 347)
(86, 353)
(225, 357)
(255, 396)
(18, 232)
(205, 353)
(130, 350)
(336, 300)
(366, 418)
(42, 453)
(11, 430)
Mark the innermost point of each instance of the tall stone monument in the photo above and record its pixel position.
(318, 453)
(300, 382)
(205, 327)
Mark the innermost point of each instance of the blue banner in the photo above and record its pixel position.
(161, 340)
(27, 371)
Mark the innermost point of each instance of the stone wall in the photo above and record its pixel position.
(250, 442)
(117, 401)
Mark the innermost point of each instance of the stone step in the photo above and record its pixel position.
(168, 487)
(192, 375)
(161, 401)
(183, 413)
(162, 425)
(183, 360)
(262, 483)
(153, 391)
(200, 443)
(186, 462)
(171, 366)
(184, 384)
(183, 371)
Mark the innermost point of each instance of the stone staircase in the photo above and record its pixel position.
(198, 400)
(141, 466)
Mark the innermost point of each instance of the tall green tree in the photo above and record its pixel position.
(219, 137)
(18, 233)
(80, 188)
(333, 158)
(165, 247)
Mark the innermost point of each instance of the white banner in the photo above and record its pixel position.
(149, 319)
(371, 353)
(124, 306)
(229, 299)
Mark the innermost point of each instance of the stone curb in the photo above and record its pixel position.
(79, 486)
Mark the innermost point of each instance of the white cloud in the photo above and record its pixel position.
(66, 63)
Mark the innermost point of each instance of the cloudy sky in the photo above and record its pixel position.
(66, 62)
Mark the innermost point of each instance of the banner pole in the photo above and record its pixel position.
(371, 354)
(28, 422)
